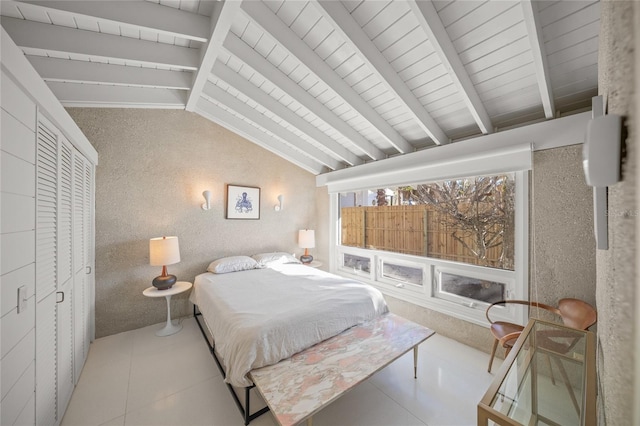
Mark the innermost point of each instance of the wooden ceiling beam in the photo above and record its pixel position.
(95, 95)
(65, 40)
(350, 30)
(133, 14)
(430, 21)
(229, 121)
(289, 40)
(221, 20)
(251, 114)
(534, 31)
(247, 88)
(65, 70)
(259, 64)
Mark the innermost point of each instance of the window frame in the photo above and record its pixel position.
(503, 276)
(518, 279)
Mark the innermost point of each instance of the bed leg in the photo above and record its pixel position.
(415, 362)
(247, 409)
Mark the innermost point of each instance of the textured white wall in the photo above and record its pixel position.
(616, 268)
(153, 168)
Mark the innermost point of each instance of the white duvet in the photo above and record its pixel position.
(261, 316)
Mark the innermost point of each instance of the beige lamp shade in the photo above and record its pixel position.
(306, 238)
(164, 251)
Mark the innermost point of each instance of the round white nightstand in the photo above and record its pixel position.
(314, 264)
(177, 288)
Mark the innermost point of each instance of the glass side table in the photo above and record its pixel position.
(549, 378)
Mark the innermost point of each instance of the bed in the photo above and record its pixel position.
(258, 315)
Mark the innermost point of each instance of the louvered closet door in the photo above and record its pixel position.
(81, 278)
(88, 253)
(46, 274)
(65, 275)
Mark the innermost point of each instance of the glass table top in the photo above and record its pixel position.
(544, 381)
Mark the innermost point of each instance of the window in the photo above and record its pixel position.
(468, 220)
(454, 245)
(471, 288)
(355, 264)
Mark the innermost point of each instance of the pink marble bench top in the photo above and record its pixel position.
(300, 386)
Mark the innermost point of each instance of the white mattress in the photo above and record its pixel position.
(261, 316)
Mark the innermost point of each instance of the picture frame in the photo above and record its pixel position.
(243, 202)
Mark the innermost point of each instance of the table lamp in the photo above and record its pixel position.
(164, 251)
(306, 240)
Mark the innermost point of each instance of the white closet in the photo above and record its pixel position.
(47, 246)
(64, 187)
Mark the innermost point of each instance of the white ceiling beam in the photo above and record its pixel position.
(541, 136)
(65, 70)
(254, 60)
(54, 38)
(94, 95)
(289, 40)
(428, 17)
(259, 96)
(227, 120)
(265, 122)
(133, 14)
(15, 66)
(220, 23)
(350, 30)
(534, 30)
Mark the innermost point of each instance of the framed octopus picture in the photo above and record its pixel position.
(243, 202)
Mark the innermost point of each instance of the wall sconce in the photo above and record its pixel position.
(278, 207)
(207, 200)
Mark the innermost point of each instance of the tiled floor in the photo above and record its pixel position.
(136, 378)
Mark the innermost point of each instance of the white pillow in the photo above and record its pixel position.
(274, 258)
(232, 264)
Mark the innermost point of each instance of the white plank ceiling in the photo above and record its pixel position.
(325, 84)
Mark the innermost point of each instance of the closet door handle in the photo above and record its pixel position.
(87, 270)
(62, 293)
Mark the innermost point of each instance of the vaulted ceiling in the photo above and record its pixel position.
(324, 84)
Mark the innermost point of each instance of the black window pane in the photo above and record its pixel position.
(357, 263)
(472, 288)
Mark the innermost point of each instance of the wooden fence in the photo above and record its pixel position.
(418, 230)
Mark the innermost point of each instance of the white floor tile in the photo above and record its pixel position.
(136, 378)
(448, 386)
(365, 405)
(101, 392)
(118, 421)
(145, 341)
(168, 370)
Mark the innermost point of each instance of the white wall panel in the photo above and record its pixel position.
(16, 103)
(17, 361)
(17, 139)
(28, 414)
(18, 250)
(18, 398)
(15, 326)
(18, 176)
(24, 276)
(17, 213)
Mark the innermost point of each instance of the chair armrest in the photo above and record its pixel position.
(521, 302)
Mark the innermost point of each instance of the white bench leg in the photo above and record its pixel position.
(415, 362)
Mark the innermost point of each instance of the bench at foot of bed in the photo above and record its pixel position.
(300, 386)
